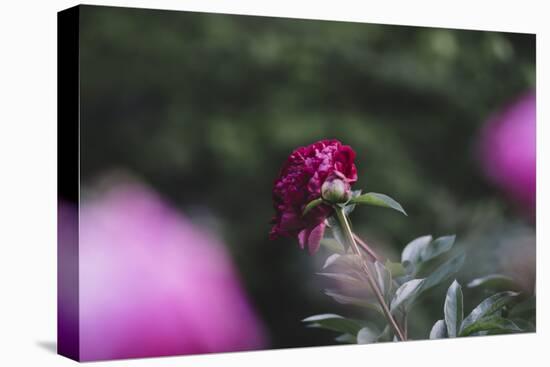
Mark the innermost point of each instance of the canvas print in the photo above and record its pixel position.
(235, 183)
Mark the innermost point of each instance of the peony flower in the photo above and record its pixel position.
(300, 181)
(150, 282)
(508, 150)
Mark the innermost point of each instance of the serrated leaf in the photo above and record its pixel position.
(490, 323)
(437, 247)
(334, 322)
(376, 199)
(488, 307)
(412, 252)
(333, 245)
(444, 271)
(406, 293)
(439, 330)
(367, 335)
(312, 204)
(496, 282)
(454, 310)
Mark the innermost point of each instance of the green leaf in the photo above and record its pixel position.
(367, 335)
(488, 307)
(333, 245)
(412, 252)
(437, 247)
(346, 338)
(348, 262)
(524, 325)
(396, 269)
(444, 271)
(491, 323)
(339, 276)
(439, 330)
(334, 322)
(525, 309)
(376, 199)
(386, 335)
(406, 293)
(312, 204)
(410, 269)
(349, 207)
(454, 309)
(331, 260)
(321, 317)
(384, 279)
(336, 229)
(423, 249)
(495, 282)
(345, 278)
(356, 301)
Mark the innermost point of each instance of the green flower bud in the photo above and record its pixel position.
(336, 191)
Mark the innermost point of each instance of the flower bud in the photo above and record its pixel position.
(336, 191)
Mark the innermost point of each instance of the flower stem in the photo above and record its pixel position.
(367, 248)
(341, 216)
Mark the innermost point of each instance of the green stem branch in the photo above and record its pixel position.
(344, 223)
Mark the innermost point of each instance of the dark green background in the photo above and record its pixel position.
(205, 108)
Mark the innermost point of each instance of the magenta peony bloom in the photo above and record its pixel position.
(508, 150)
(153, 284)
(300, 182)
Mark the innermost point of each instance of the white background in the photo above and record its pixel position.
(28, 182)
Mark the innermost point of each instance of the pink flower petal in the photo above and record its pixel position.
(315, 237)
(303, 237)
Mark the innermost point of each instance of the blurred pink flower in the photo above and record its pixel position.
(508, 150)
(152, 284)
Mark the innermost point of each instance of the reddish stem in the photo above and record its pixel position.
(367, 248)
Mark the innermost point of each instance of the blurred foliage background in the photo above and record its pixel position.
(205, 108)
